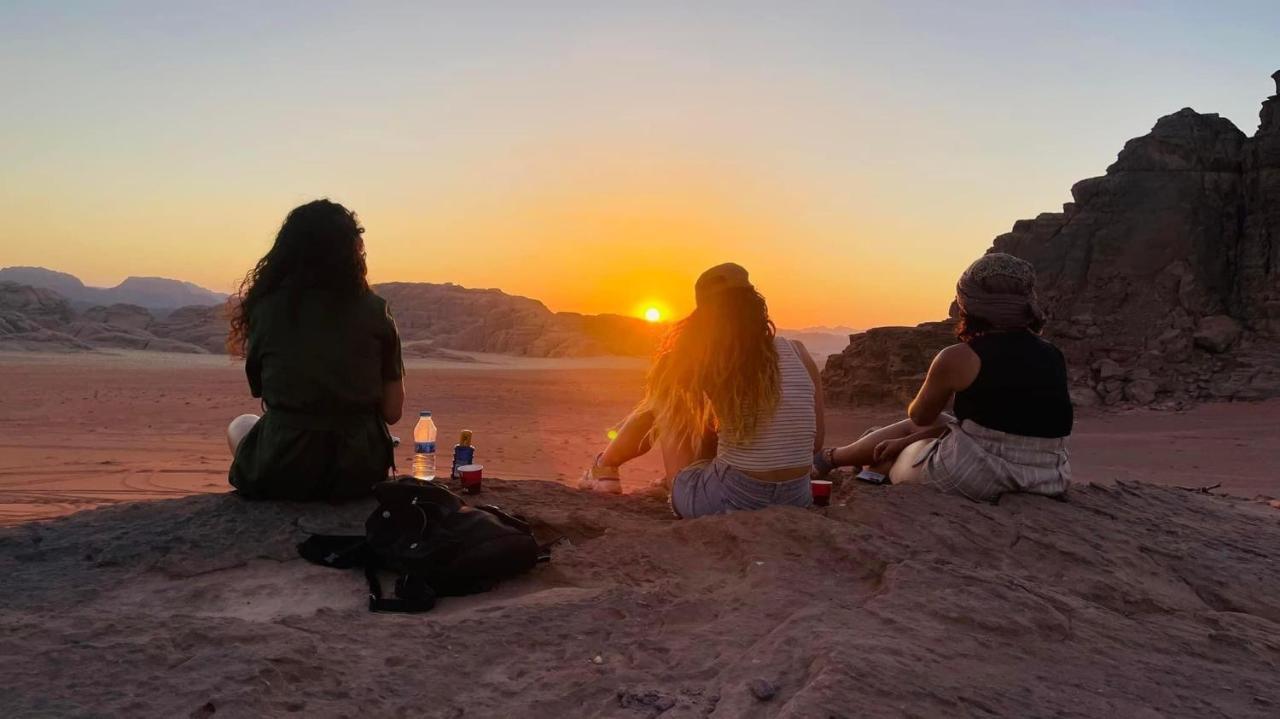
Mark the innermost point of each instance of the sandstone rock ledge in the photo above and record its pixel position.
(1125, 601)
(1160, 277)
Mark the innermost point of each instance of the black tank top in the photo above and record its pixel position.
(1021, 388)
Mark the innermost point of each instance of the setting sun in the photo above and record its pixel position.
(652, 314)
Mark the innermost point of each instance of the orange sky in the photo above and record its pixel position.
(853, 156)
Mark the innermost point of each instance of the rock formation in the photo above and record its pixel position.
(458, 318)
(884, 365)
(1160, 278)
(435, 321)
(199, 326)
(154, 293)
(31, 317)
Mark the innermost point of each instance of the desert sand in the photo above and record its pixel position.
(1130, 599)
(82, 430)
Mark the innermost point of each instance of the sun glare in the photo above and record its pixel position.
(652, 314)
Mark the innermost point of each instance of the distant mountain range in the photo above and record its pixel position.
(153, 293)
(821, 342)
(45, 309)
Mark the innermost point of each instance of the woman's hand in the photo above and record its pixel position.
(889, 449)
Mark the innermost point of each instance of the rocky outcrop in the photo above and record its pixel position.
(201, 326)
(458, 318)
(611, 334)
(884, 365)
(435, 321)
(154, 293)
(42, 307)
(124, 316)
(34, 319)
(31, 319)
(1162, 277)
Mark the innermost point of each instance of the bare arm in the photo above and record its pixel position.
(819, 404)
(954, 369)
(392, 401)
(891, 448)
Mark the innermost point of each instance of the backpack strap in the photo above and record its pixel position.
(514, 521)
(391, 446)
(395, 606)
(519, 523)
(335, 550)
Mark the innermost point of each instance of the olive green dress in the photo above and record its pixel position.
(319, 361)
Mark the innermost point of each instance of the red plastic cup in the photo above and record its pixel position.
(821, 492)
(470, 475)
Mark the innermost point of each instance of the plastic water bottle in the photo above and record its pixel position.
(424, 448)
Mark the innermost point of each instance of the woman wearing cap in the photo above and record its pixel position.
(1012, 409)
(735, 410)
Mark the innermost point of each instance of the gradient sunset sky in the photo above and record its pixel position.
(597, 156)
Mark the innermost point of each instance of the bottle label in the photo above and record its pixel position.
(462, 455)
(424, 447)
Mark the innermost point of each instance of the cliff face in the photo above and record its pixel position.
(1160, 279)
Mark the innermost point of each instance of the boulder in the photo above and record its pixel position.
(1108, 369)
(884, 365)
(1217, 333)
(125, 316)
(1141, 392)
(1085, 397)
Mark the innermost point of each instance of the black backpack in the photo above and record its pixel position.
(433, 541)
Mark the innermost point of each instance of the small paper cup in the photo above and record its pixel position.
(470, 474)
(821, 492)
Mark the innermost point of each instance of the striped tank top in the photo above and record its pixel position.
(785, 437)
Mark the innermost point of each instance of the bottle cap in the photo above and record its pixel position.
(425, 413)
(466, 436)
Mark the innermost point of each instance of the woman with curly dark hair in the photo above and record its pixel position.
(1012, 409)
(323, 354)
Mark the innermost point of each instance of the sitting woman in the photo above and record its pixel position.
(1012, 409)
(735, 410)
(323, 353)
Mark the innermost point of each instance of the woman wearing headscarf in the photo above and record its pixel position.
(1009, 385)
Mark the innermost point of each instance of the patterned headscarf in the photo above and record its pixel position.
(1000, 289)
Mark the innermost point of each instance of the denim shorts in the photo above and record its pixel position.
(713, 487)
